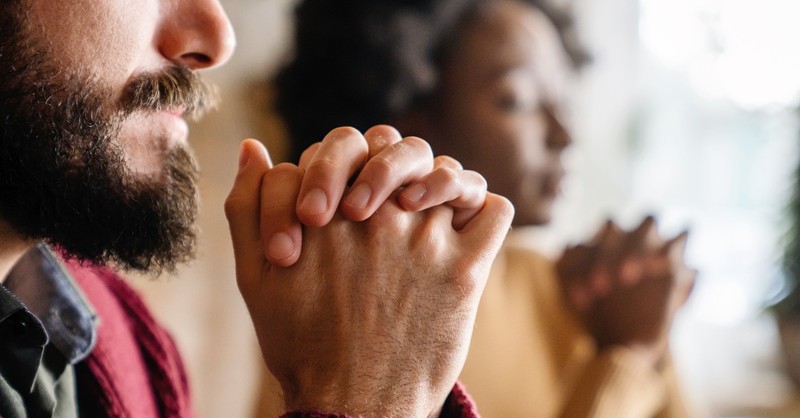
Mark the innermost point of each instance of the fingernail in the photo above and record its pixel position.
(314, 203)
(358, 198)
(415, 192)
(280, 246)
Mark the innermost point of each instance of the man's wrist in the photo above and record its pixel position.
(312, 414)
(458, 404)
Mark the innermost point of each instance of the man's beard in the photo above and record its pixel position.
(63, 172)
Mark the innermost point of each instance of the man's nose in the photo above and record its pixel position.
(197, 34)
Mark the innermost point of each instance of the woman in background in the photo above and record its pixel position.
(486, 82)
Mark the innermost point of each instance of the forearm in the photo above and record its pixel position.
(616, 384)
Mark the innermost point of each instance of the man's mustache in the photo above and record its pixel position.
(173, 88)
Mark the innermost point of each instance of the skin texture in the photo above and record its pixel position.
(500, 106)
(90, 147)
(627, 286)
(314, 322)
(411, 261)
(115, 40)
(499, 111)
(385, 161)
(491, 94)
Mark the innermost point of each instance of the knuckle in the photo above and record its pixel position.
(382, 135)
(506, 208)
(321, 166)
(381, 167)
(448, 175)
(478, 180)
(419, 144)
(377, 144)
(447, 161)
(345, 137)
(282, 168)
(279, 179)
(310, 151)
(342, 132)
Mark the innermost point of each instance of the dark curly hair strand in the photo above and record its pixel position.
(360, 62)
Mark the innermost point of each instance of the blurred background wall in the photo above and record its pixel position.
(687, 112)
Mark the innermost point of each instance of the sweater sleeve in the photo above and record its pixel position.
(616, 384)
(313, 414)
(457, 405)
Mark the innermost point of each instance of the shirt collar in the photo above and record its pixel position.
(44, 287)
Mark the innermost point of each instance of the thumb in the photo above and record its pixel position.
(242, 208)
(484, 234)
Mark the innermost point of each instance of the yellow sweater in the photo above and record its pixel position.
(530, 357)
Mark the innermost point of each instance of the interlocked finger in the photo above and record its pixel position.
(395, 166)
(463, 190)
(338, 157)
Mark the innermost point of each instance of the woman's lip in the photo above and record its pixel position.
(552, 184)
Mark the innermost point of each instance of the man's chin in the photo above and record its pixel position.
(146, 223)
(171, 243)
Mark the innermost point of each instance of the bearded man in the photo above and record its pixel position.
(362, 297)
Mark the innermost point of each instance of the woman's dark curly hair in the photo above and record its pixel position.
(360, 62)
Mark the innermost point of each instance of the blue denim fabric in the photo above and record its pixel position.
(46, 326)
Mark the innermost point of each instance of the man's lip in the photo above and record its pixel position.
(178, 111)
(174, 121)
